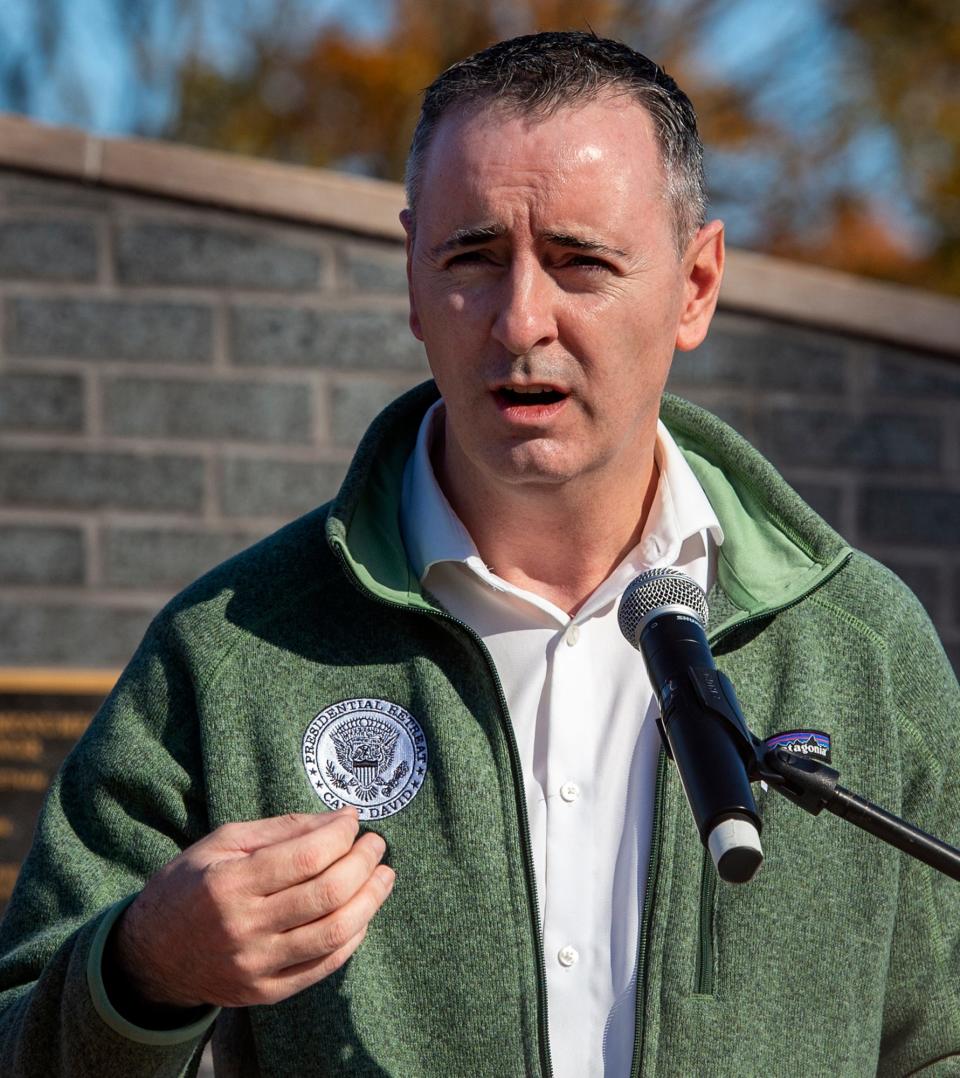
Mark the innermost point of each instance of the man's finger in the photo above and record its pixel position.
(248, 836)
(330, 933)
(295, 978)
(331, 889)
(286, 863)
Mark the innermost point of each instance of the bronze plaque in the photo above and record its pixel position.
(42, 713)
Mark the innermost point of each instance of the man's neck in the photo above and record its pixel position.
(558, 542)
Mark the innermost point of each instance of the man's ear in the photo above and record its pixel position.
(703, 271)
(406, 219)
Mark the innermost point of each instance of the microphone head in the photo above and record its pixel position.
(656, 592)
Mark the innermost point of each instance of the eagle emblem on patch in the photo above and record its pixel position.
(370, 754)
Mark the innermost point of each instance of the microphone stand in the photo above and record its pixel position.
(813, 786)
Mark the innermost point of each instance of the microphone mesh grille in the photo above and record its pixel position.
(655, 589)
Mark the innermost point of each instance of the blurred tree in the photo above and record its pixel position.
(911, 54)
(348, 102)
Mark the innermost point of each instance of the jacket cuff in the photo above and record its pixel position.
(111, 1016)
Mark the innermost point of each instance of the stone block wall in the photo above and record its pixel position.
(180, 377)
(175, 383)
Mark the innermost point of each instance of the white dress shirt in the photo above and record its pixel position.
(584, 717)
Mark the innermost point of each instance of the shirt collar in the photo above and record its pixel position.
(432, 532)
(680, 508)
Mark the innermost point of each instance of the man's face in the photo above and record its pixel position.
(547, 289)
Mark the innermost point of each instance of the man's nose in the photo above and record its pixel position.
(526, 316)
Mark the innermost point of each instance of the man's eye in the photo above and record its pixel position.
(586, 262)
(470, 258)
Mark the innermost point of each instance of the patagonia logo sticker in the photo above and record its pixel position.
(370, 754)
(803, 743)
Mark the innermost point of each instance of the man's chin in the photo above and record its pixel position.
(533, 466)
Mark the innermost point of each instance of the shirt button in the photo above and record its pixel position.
(570, 791)
(567, 956)
(572, 635)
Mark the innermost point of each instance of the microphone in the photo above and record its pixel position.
(663, 614)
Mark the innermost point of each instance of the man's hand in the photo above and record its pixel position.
(254, 912)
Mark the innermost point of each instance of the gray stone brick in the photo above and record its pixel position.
(375, 269)
(925, 581)
(250, 411)
(40, 633)
(41, 402)
(37, 554)
(278, 488)
(48, 250)
(354, 404)
(163, 557)
(41, 191)
(836, 439)
(824, 499)
(173, 253)
(298, 337)
(109, 329)
(74, 480)
(773, 358)
(905, 374)
(925, 517)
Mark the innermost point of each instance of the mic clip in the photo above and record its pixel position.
(715, 692)
(806, 782)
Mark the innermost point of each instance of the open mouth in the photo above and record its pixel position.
(529, 396)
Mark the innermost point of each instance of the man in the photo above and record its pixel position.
(438, 651)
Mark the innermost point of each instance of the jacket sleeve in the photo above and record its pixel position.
(128, 799)
(922, 1005)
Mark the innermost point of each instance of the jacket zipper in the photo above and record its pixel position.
(519, 794)
(703, 981)
(653, 871)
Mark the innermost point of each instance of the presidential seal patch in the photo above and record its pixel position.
(370, 754)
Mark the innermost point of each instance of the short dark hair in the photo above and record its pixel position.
(537, 74)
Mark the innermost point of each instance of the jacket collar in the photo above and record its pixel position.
(776, 548)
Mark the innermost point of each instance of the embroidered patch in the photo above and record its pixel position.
(803, 743)
(370, 754)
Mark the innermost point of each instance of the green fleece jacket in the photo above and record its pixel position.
(841, 958)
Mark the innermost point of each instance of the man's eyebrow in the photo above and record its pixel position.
(583, 243)
(474, 237)
(468, 237)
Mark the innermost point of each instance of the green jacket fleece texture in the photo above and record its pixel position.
(841, 958)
